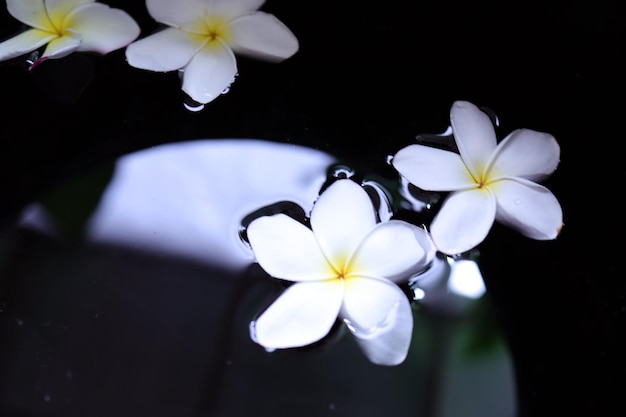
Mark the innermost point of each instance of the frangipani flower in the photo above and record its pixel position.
(66, 26)
(202, 39)
(488, 181)
(345, 266)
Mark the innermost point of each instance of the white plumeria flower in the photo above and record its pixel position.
(202, 38)
(348, 266)
(488, 181)
(66, 26)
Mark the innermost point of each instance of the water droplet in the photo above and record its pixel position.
(32, 58)
(418, 294)
(349, 325)
(243, 235)
(340, 171)
(443, 140)
(252, 329)
(227, 88)
(418, 200)
(517, 202)
(192, 105)
(381, 197)
(46, 397)
(19, 322)
(437, 271)
(254, 338)
(492, 115)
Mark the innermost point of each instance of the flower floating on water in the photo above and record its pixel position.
(202, 38)
(488, 181)
(348, 266)
(66, 26)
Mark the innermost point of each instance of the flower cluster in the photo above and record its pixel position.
(348, 265)
(344, 262)
(200, 38)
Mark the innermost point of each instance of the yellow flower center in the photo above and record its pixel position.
(341, 269)
(212, 29)
(484, 178)
(52, 23)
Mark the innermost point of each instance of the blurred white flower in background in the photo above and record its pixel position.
(488, 181)
(202, 38)
(66, 26)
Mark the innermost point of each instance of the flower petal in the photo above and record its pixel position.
(463, 221)
(190, 14)
(232, 8)
(165, 50)
(341, 217)
(432, 169)
(30, 12)
(209, 73)
(262, 36)
(60, 10)
(64, 6)
(529, 208)
(526, 153)
(103, 28)
(302, 315)
(287, 249)
(393, 250)
(62, 46)
(178, 14)
(369, 304)
(379, 315)
(24, 43)
(390, 347)
(474, 135)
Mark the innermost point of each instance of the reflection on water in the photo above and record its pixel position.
(148, 313)
(188, 199)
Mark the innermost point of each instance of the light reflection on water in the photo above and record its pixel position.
(189, 198)
(163, 283)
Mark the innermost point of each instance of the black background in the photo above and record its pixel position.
(370, 76)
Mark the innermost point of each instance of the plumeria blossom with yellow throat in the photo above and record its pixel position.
(201, 38)
(488, 181)
(347, 265)
(67, 26)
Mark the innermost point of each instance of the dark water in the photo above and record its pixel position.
(148, 311)
(125, 288)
